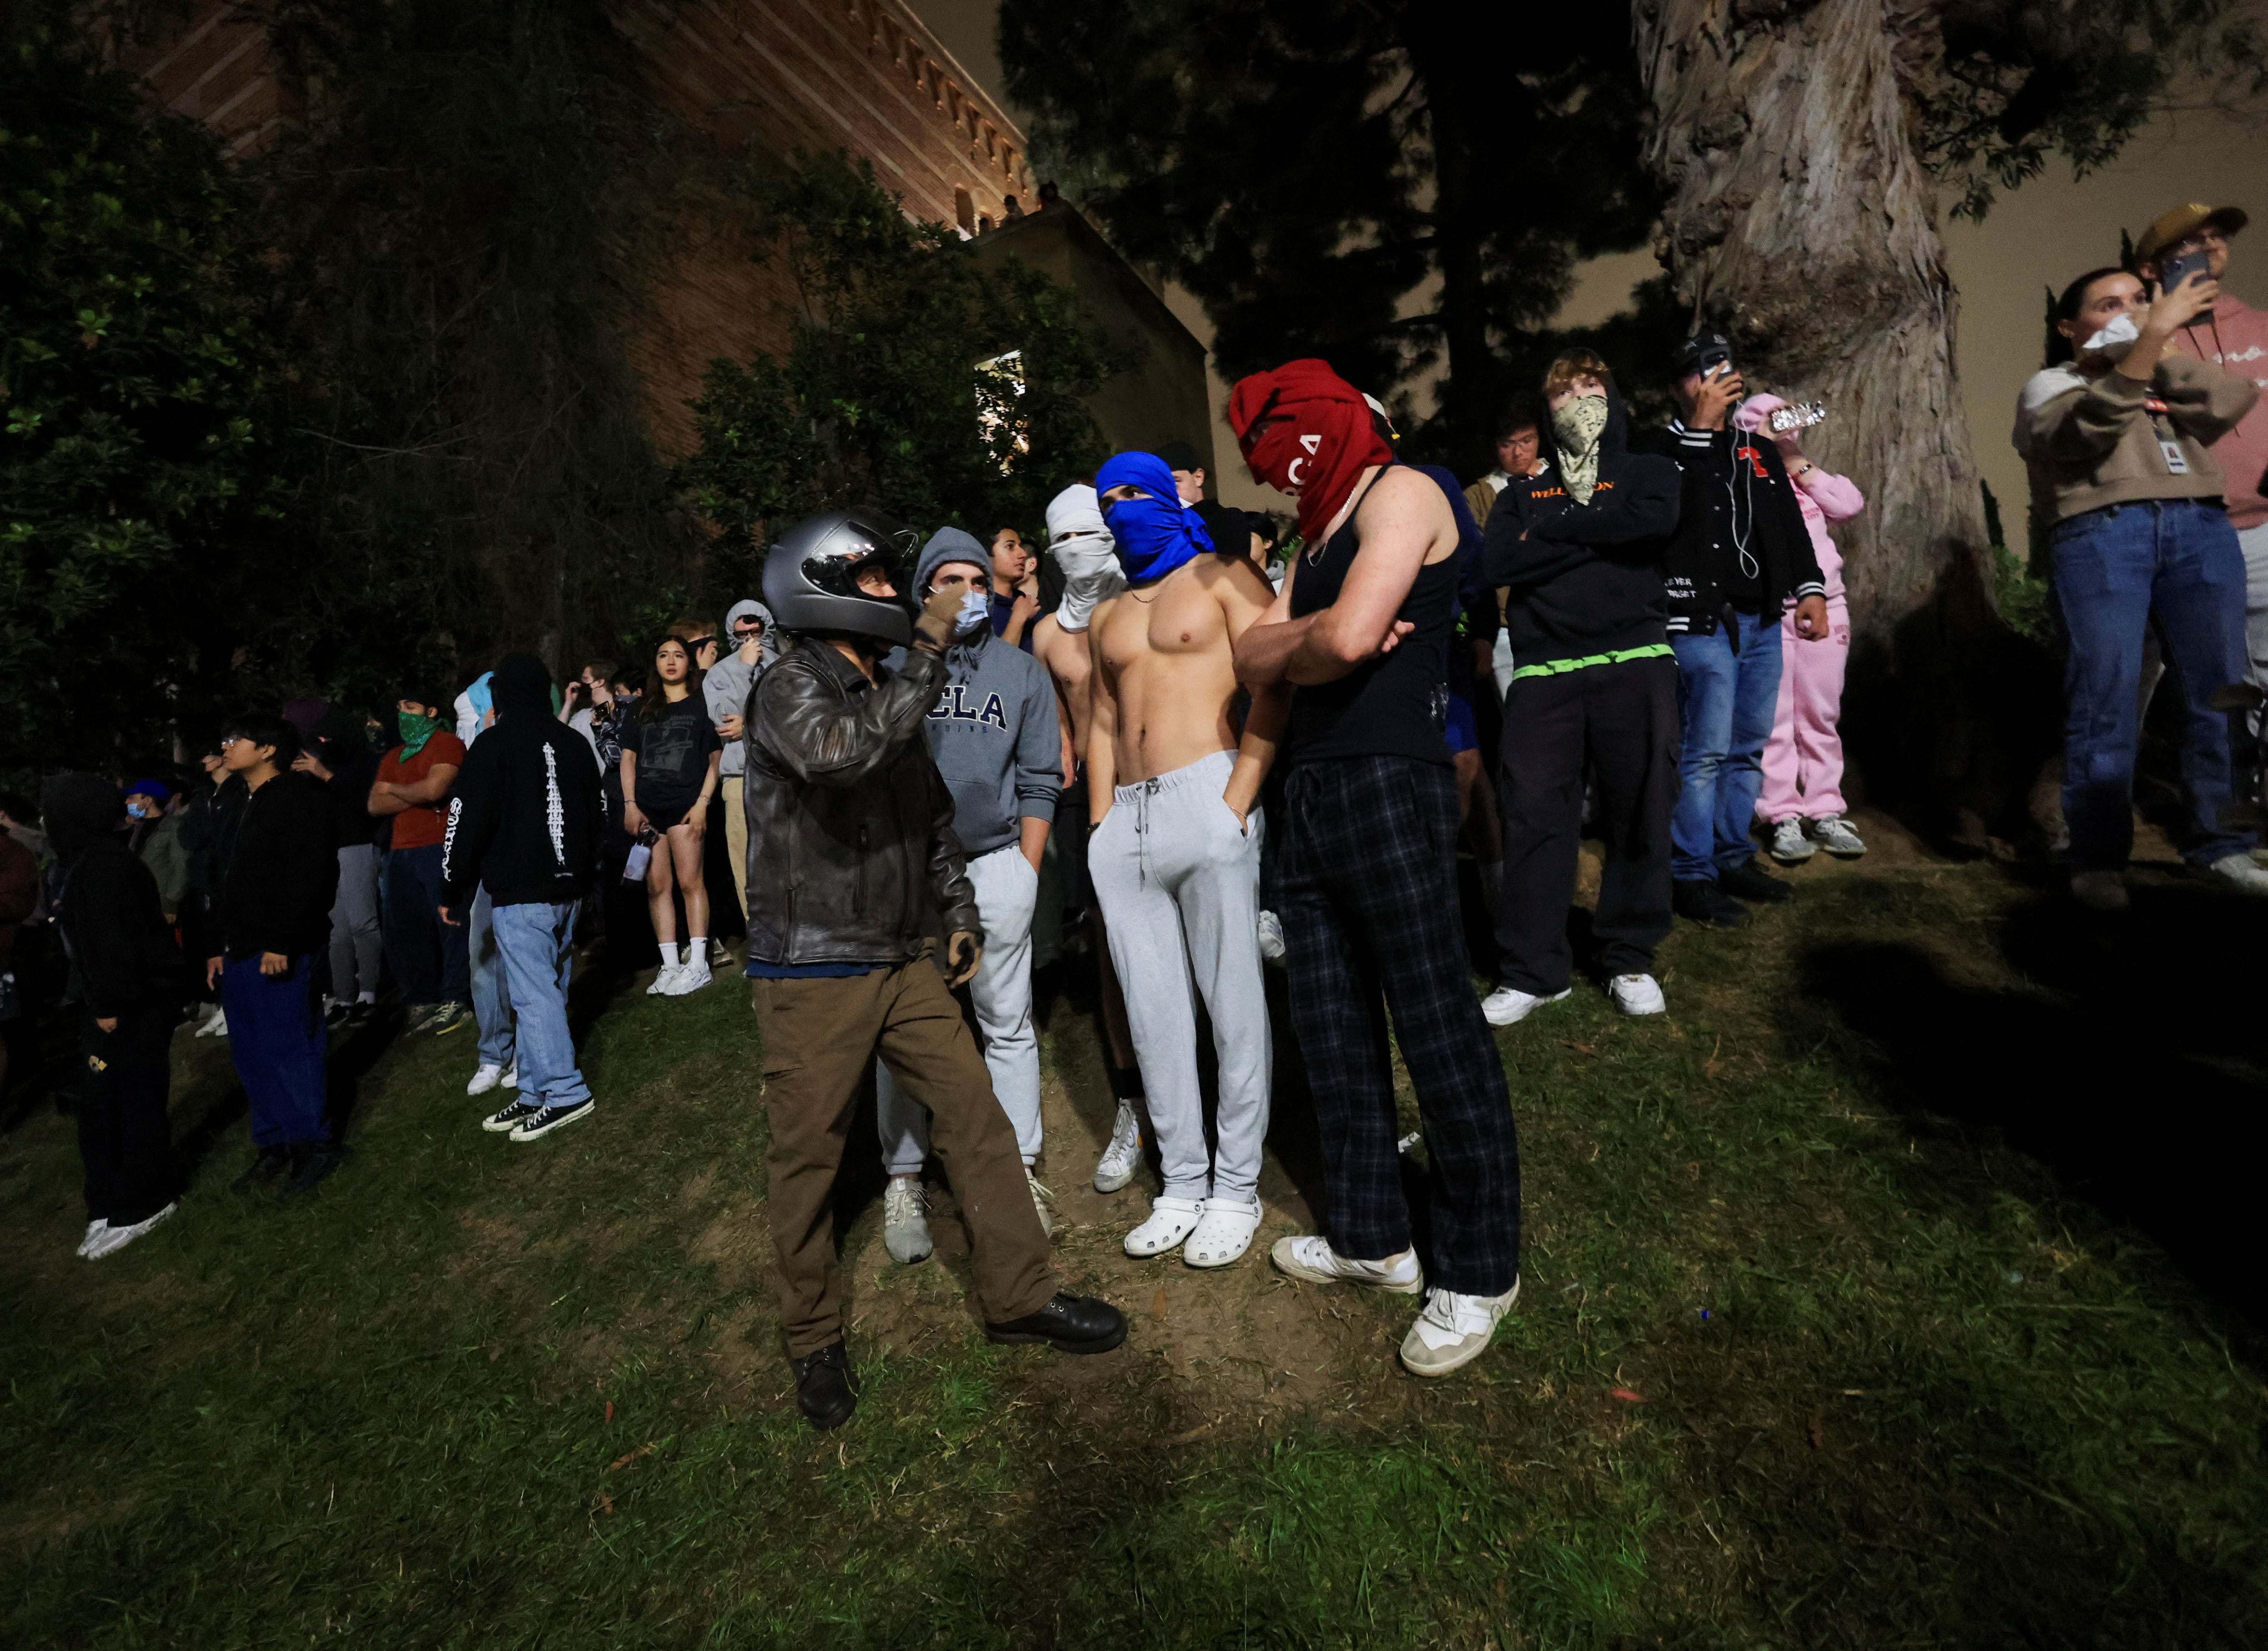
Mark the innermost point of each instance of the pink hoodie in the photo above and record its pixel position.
(1822, 497)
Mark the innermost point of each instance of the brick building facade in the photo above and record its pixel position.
(740, 79)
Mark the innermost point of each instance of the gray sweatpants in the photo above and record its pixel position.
(1179, 887)
(354, 924)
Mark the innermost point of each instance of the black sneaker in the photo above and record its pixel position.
(312, 1163)
(1701, 901)
(825, 1390)
(335, 1016)
(1067, 1324)
(1752, 881)
(510, 1116)
(271, 1162)
(447, 1017)
(546, 1119)
(360, 1013)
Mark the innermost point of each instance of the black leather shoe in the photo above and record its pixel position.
(1067, 1324)
(272, 1162)
(1750, 882)
(1699, 899)
(312, 1164)
(825, 1390)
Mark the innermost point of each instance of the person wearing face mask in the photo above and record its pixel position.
(1173, 791)
(1087, 558)
(1578, 554)
(2116, 432)
(994, 736)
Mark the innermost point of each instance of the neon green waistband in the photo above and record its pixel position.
(1560, 667)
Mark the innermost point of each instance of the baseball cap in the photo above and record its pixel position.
(1688, 359)
(2185, 221)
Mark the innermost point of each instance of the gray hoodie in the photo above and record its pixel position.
(726, 687)
(993, 730)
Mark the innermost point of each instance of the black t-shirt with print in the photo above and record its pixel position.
(672, 754)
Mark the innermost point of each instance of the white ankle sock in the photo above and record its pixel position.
(696, 950)
(669, 954)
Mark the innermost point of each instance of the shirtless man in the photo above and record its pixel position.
(1175, 848)
(1367, 875)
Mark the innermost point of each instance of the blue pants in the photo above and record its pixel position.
(276, 1038)
(2115, 569)
(492, 998)
(535, 944)
(430, 960)
(1728, 697)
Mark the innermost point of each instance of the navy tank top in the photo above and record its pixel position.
(1395, 705)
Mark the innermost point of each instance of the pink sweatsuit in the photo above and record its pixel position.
(1803, 759)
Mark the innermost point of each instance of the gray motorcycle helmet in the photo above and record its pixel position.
(811, 577)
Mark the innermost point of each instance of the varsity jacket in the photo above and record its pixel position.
(526, 815)
(1736, 503)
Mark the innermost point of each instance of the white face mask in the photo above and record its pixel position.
(1091, 573)
(975, 614)
(2115, 340)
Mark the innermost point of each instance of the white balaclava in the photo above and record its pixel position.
(1086, 552)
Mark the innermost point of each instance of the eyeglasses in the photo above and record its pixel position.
(233, 738)
(745, 632)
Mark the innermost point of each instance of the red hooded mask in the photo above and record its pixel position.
(1305, 431)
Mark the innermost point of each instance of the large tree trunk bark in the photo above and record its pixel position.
(1801, 220)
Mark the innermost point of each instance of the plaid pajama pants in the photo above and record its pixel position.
(1368, 900)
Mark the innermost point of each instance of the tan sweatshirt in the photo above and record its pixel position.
(2092, 438)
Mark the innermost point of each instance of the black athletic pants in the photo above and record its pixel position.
(125, 1140)
(1620, 721)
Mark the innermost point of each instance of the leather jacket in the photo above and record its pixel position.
(851, 852)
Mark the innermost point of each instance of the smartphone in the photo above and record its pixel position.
(2175, 271)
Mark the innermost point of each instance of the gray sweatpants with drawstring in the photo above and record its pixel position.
(1180, 886)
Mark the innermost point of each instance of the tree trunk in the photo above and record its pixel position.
(1458, 149)
(1802, 222)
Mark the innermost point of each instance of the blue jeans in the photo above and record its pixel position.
(491, 999)
(431, 961)
(1728, 699)
(276, 1038)
(535, 943)
(2115, 569)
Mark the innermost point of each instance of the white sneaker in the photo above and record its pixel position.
(2099, 891)
(111, 1240)
(95, 1229)
(486, 1079)
(1123, 1156)
(1040, 1197)
(1171, 1221)
(1271, 938)
(690, 978)
(1313, 1259)
(1789, 845)
(217, 1026)
(511, 1076)
(1454, 1329)
(2239, 871)
(1223, 1233)
(1833, 833)
(1508, 1006)
(905, 1220)
(1637, 994)
(664, 979)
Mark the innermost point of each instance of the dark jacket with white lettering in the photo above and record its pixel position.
(997, 740)
(1584, 580)
(1737, 500)
(525, 815)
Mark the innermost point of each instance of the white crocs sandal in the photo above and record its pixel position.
(1223, 1233)
(1171, 1221)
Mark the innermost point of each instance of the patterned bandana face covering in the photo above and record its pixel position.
(1155, 534)
(416, 730)
(1578, 426)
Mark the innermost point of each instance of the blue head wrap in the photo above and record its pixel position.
(1155, 534)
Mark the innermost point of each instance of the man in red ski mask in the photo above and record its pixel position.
(1368, 892)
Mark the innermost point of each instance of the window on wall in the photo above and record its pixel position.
(964, 212)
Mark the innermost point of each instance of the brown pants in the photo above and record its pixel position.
(736, 836)
(819, 1038)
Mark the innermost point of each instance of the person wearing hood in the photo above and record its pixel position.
(339, 755)
(1174, 847)
(276, 873)
(526, 820)
(1368, 877)
(1577, 551)
(156, 839)
(727, 689)
(996, 740)
(2117, 431)
(126, 976)
(432, 965)
(1740, 555)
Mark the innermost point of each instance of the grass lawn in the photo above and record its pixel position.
(1899, 1289)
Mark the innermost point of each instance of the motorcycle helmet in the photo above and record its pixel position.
(811, 577)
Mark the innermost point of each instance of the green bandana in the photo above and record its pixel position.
(416, 730)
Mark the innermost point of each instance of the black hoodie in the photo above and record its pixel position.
(122, 954)
(275, 869)
(527, 811)
(1585, 580)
